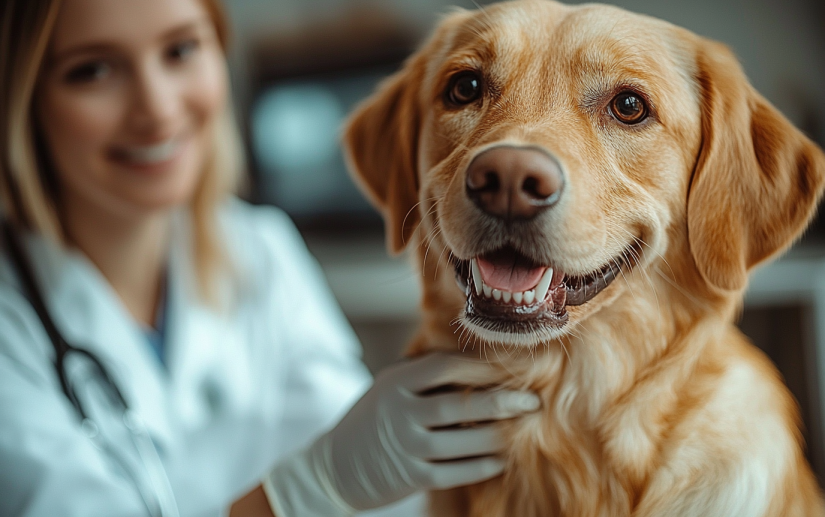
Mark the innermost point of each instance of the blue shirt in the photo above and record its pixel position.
(156, 335)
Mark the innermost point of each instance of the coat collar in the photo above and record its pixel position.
(89, 313)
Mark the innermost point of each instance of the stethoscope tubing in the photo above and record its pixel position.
(162, 502)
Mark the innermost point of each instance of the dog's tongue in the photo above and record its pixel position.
(509, 272)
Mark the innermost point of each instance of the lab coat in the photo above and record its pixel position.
(244, 384)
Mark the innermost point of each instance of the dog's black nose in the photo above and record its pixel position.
(514, 183)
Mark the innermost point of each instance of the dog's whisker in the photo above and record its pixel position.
(418, 205)
(651, 248)
(564, 348)
(669, 279)
(652, 285)
(486, 19)
(680, 289)
(619, 266)
(423, 219)
(484, 346)
(618, 244)
(443, 249)
(632, 255)
(428, 242)
(407, 215)
(441, 253)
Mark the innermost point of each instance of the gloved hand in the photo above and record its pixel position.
(385, 448)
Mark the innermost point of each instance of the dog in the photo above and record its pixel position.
(586, 191)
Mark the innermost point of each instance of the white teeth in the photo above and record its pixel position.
(526, 297)
(152, 153)
(544, 284)
(529, 296)
(476, 276)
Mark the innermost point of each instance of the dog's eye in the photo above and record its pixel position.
(464, 88)
(628, 108)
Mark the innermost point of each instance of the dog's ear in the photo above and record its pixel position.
(757, 179)
(381, 144)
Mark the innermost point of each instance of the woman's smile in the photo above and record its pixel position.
(154, 158)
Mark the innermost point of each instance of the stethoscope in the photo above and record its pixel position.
(153, 486)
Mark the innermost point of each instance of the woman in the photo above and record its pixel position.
(225, 353)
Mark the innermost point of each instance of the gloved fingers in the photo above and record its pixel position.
(477, 406)
(450, 444)
(451, 474)
(438, 369)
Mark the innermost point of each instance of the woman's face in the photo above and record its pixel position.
(126, 102)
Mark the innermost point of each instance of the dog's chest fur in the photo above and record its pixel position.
(610, 395)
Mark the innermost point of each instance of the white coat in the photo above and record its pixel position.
(242, 387)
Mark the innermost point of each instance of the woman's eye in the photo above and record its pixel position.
(628, 108)
(89, 72)
(464, 88)
(183, 49)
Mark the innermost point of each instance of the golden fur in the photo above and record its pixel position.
(654, 404)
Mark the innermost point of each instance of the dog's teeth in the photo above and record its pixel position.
(488, 291)
(476, 273)
(529, 296)
(544, 284)
(496, 294)
(506, 295)
(517, 297)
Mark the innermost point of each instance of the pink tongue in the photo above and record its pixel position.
(507, 276)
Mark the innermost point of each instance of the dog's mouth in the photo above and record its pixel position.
(509, 292)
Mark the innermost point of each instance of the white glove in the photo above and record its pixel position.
(389, 445)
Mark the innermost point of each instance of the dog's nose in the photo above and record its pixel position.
(514, 182)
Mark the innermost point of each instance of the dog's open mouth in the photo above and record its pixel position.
(507, 291)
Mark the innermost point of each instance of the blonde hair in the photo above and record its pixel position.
(27, 194)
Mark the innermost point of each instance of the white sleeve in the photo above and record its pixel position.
(325, 373)
(48, 466)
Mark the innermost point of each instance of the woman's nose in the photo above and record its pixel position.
(156, 100)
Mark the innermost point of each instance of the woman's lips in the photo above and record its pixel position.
(148, 156)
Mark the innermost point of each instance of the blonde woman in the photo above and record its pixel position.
(166, 349)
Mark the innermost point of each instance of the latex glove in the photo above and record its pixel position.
(386, 447)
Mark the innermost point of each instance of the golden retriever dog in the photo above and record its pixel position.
(587, 190)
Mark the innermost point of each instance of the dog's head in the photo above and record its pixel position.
(553, 149)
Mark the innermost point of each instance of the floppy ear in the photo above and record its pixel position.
(757, 179)
(381, 144)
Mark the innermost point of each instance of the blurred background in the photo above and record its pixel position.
(300, 65)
